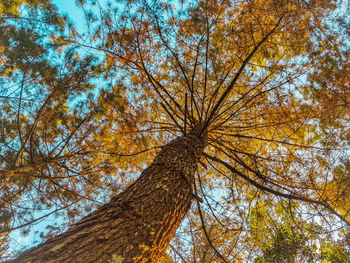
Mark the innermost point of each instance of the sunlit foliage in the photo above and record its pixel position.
(82, 113)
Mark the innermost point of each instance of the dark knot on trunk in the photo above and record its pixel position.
(199, 131)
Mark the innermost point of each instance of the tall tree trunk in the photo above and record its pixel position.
(138, 224)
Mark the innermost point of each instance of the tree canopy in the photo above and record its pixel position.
(83, 111)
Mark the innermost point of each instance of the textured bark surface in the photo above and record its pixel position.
(138, 224)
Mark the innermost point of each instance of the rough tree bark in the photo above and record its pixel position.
(138, 224)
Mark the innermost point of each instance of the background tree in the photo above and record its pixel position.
(41, 135)
(265, 79)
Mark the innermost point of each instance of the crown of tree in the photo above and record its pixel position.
(242, 105)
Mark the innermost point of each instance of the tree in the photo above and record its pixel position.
(38, 130)
(242, 84)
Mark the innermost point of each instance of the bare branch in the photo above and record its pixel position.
(239, 72)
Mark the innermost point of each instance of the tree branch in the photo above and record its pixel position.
(237, 75)
(277, 193)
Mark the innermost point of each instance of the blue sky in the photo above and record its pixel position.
(68, 7)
